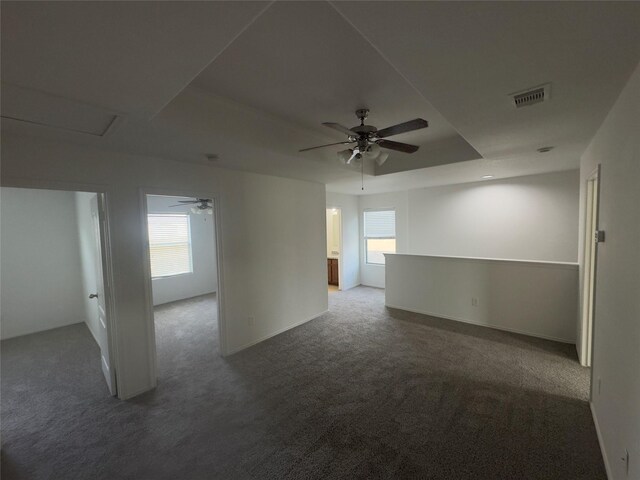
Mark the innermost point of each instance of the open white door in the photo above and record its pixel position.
(103, 337)
(589, 276)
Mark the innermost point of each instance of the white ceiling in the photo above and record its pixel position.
(306, 64)
(252, 81)
(131, 57)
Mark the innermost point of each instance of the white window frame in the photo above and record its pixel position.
(366, 238)
(189, 243)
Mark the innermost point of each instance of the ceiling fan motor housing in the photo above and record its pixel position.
(362, 113)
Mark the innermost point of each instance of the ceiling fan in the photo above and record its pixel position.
(368, 139)
(200, 205)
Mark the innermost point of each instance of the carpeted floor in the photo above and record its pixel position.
(360, 393)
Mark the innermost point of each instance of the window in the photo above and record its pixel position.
(379, 235)
(170, 245)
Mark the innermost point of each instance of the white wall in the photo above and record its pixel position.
(275, 267)
(348, 204)
(522, 218)
(204, 278)
(534, 298)
(273, 241)
(39, 262)
(616, 350)
(373, 275)
(88, 250)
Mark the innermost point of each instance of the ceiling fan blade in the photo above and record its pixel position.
(188, 201)
(400, 147)
(179, 205)
(340, 128)
(327, 145)
(415, 124)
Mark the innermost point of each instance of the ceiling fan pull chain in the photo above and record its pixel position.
(362, 170)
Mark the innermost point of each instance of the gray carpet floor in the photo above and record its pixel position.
(362, 392)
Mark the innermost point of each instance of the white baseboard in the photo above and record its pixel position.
(277, 332)
(495, 327)
(186, 298)
(601, 442)
(46, 329)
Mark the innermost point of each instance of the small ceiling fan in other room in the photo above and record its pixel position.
(369, 140)
(199, 205)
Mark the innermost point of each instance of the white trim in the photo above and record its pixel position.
(589, 252)
(109, 290)
(536, 263)
(75, 322)
(607, 467)
(148, 293)
(471, 322)
(278, 332)
(217, 220)
(117, 365)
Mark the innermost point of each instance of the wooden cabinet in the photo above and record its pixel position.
(332, 271)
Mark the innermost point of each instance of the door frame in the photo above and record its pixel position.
(220, 301)
(340, 256)
(589, 265)
(107, 257)
(107, 276)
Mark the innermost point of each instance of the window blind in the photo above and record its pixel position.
(169, 244)
(380, 223)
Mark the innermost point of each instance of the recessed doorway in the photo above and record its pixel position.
(334, 249)
(55, 293)
(184, 281)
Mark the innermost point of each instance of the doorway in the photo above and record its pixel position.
(334, 249)
(56, 263)
(589, 272)
(184, 281)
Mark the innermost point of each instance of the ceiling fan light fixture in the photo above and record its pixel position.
(373, 151)
(382, 158)
(370, 140)
(345, 155)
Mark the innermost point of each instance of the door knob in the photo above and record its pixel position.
(93, 295)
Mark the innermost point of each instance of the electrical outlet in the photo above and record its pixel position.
(474, 301)
(250, 321)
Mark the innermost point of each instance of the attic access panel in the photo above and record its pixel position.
(41, 108)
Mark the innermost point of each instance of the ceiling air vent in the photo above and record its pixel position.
(531, 96)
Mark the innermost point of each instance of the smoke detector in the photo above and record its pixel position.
(531, 96)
